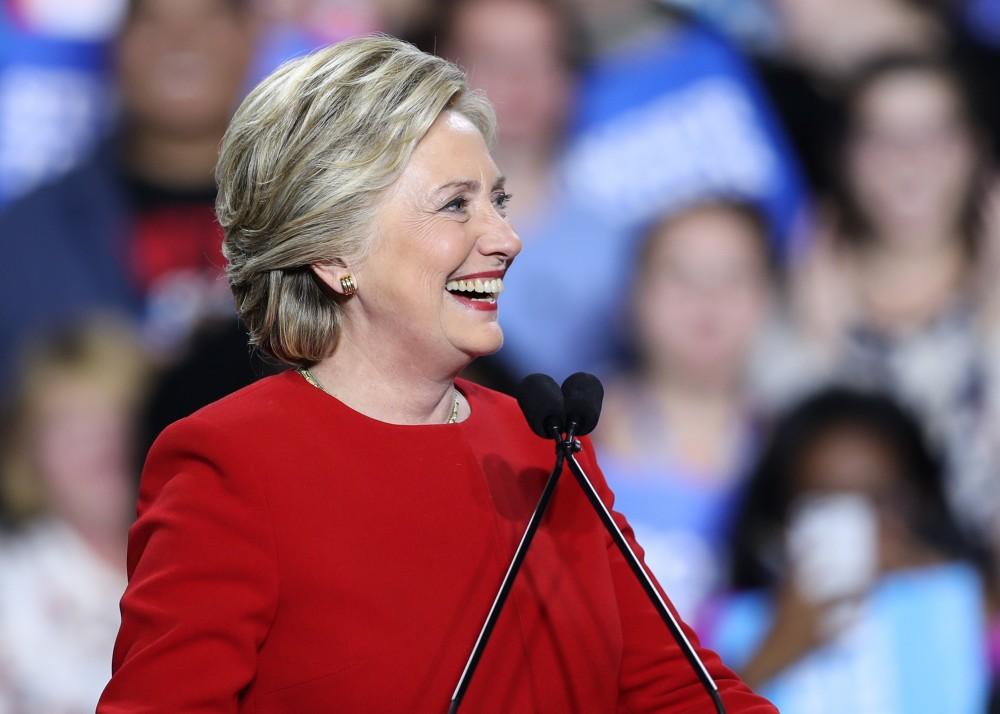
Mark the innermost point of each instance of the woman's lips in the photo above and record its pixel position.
(488, 275)
(484, 305)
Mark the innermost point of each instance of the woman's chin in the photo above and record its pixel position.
(482, 342)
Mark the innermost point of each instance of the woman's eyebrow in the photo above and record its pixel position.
(467, 184)
(472, 185)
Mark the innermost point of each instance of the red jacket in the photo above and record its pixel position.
(292, 555)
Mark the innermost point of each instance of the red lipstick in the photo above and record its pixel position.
(483, 305)
(487, 275)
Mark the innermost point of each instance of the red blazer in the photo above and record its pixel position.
(292, 555)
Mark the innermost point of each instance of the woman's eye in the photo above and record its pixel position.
(456, 204)
(501, 200)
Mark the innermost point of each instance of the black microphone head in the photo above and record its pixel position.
(541, 400)
(583, 395)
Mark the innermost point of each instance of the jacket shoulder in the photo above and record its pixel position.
(260, 404)
(224, 436)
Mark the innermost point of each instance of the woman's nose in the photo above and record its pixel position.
(500, 239)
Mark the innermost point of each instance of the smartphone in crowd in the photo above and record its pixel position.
(832, 545)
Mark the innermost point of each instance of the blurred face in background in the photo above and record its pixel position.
(911, 157)
(851, 460)
(834, 36)
(701, 295)
(512, 50)
(81, 448)
(802, 21)
(182, 64)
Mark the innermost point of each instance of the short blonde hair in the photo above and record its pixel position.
(301, 170)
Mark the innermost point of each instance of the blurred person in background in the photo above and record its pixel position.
(68, 490)
(892, 292)
(856, 591)
(132, 228)
(678, 433)
(823, 43)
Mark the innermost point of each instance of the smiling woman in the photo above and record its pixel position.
(330, 538)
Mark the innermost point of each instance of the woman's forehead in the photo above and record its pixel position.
(452, 150)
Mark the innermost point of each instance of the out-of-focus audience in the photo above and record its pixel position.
(68, 492)
(894, 288)
(678, 432)
(719, 229)
(823, 44)
(132, 227)
(844, 556)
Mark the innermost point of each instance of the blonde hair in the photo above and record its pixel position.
(301, 170)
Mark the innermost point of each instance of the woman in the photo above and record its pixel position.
(856, 580)
(67, 486)
(330, 538)
(677, 435)
(894, 290)
(526, 56)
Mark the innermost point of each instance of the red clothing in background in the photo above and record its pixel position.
(171, 238)
(292, 555)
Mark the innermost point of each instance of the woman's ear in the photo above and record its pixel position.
(334, 277)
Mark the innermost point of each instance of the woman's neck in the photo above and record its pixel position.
(906, 283)
(705, 405)
(701, 418)
(163, 160)
(106, 541)
(364, 378)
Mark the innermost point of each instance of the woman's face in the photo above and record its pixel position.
(512, 49)
(911, 159)
(182, 64)
(702, 295)
(852, 461)
(81, 447)
(441, 222)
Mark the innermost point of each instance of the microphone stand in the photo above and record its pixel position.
(570, 447)
(508, 578)
(566, 450)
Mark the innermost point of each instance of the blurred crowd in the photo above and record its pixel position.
(771, 226)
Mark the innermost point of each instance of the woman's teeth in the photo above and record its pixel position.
(490, 288)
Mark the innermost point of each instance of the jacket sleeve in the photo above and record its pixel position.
(655, 676)
(203, 583)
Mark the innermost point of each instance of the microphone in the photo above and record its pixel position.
(584, 395)
(542, 402)
(543, 405)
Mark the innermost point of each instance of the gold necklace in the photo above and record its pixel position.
(311, 378)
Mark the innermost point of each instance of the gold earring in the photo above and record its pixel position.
(348, 285)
